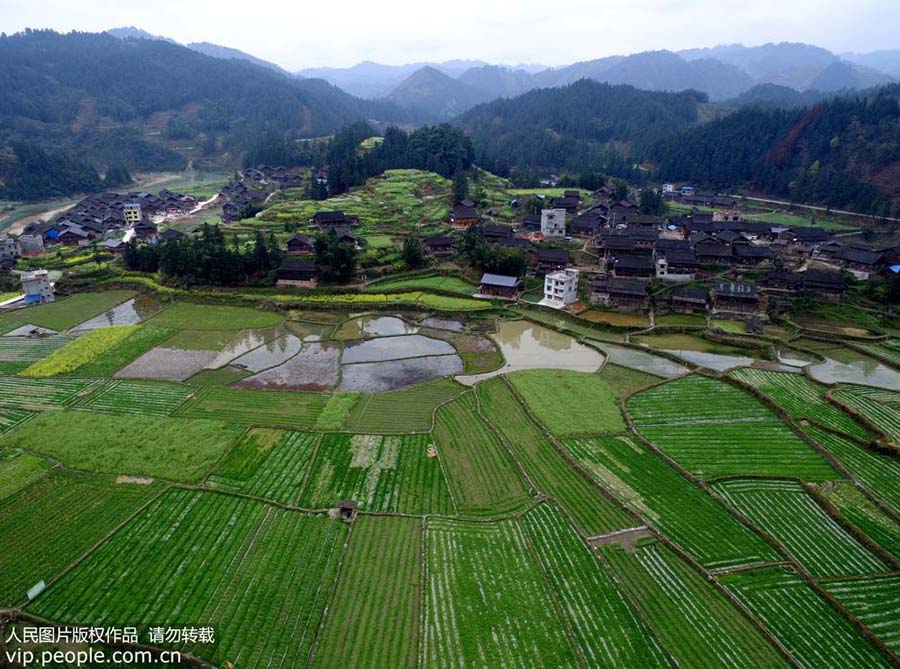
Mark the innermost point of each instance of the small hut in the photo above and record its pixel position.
(347, 508)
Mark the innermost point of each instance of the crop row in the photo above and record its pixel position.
(800, 397)
(80, 351)
(861, 512)
(39, 394)
(552, 474)
(256, 407)
(154, 398)
(876, 471)
(813, 632)
(49, 524)
(670, 502)
(18, 469)
(410, 410)
(880, 407)
(876, 602)
(10, 418)
(787, 512)
(257, 574)
(17, 353)
(695, 622)
(889, 350)
(486, 602)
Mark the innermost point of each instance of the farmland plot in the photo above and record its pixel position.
(80, 351)
(800, 397)
(889, 350)
(258, 574)
(18, 469)
(815, 634)
(9, 418)
(713, 429)
(255, 407)
(878, 472)
(787, 512)
(65, 313)
(18, 353)
(671, 503)
(486, 602)
(382, 473)
(694, 621)
(373, 621)
(483, 478)
(189, 315)
(876, 602)
(861, 512)
(267, 463)
(126, 351)
(880, 407)
(607, 631)
(409, 410)
(594, 513)
(71, 513)
(153, 398)
(40, 394)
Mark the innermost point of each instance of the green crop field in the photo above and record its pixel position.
(668, 501)
(380, 472)
(71, 513)
(410, 410)
(787, 512)
(18, 469)
(169, 448)
(153, 398)
(18, 353)
(447, 283)
(9, 418)
(876, 602)
(814, 633)
(879, 407)
(579, 403)
(373, 621)
(800, 397)
(482, 475)
(267, 463)
(336, 411)
(257, 574)
(80, 351)
(38, 394)
(860, 511)
(713, 429)
(594, 513)
(695, 622)
(889, 351)
(606, 630)
(255, 407)
(191, 316)
(136, 344)
(66, 312)
(485, 600)
(877, 471)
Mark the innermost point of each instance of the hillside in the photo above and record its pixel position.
(228, 53)
(430, 93)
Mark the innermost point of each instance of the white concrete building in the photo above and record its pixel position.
(36, 287)
(9, 248)
(560, 288)
(132, 213)
(553, 223)
(31, 244)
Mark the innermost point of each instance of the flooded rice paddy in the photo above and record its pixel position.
(168, 364)
(395, 348)
(130, 312)
(641, 361)
(856, 368)
(314, 367)
(375, 326)
(379, 377)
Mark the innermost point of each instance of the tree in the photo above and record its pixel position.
(460, 186)
(651, 202)
(336, 259)
(412, 252)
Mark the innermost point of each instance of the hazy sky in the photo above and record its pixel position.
(304, 33)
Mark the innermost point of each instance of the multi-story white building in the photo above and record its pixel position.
(553, 222)
(132, 213)
(560, 288)
(36, 287)
(9, 248)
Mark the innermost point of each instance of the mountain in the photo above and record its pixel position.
(227, 53)
(883, 61)
(582, 126)
(130, 32)
(841, 75)
(774, 96)
(500, 82)
(430, 93)
(149, 104)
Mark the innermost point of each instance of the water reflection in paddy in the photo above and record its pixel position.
(526, 345)
(246, 341)
(641, 361)
(856, 368)
(315, 367)
(130, 312)
(394, 348)
(375, 326)
(442, 324)
(714, 361)
(270, 354)
(379, 377)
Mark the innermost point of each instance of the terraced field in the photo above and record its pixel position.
(356, 631)
(698, 624)
(267, 463)
(815, 634)
(18, 353)
(800, 397)
(876, 602)
(889, 350)
(126, 351)
(879, 407)
(607, 631)
(65, 312)
(401, 411)
(255, 407)
(381, 473)
(9, 418)
(80, 351)
(18, 469)
(671, 503)
(483, 478)
(878, 472)
(486, 602)
(193, 316)
(787, 512)
(40, 394)
(258, 574)
(594, 513)
(152, 398)
(713, 429)
(864, 514)
(71, 513)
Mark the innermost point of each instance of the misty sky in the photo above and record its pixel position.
(304, 33)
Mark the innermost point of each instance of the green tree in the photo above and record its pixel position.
(460, 186)
(412, 252)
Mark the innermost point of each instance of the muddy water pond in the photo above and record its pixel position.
(442, 324)
(270, 354)
(315, 367)
(526, 345)
(794, 358)
(170, 364)
(641, 361)
(394, 348)
(130, 312)
(375, 326)
(380, 377)
(857, 368)
(714, 361)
